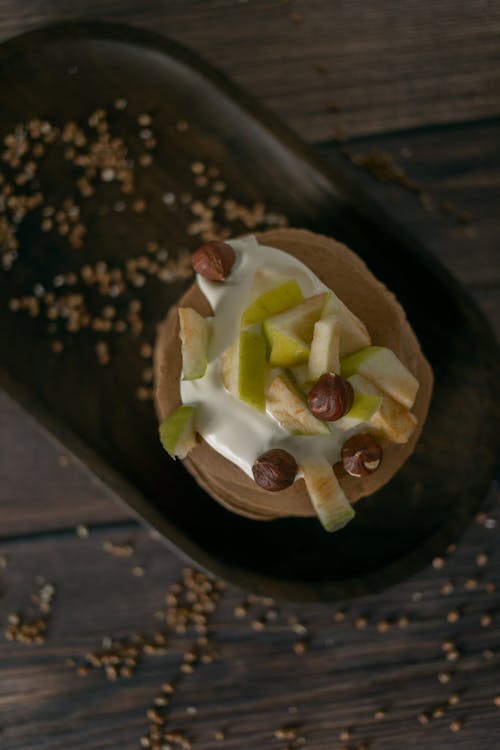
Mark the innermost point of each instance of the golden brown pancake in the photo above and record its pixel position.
(347, 275)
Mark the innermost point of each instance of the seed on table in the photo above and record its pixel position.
(456, 725)
(139, 205)
(145, 160)
(144, 120)
(383, 626)
(447, 588)
(471, 584)
(57, 347)
(481, 559)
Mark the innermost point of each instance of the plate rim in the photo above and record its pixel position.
(339, 180)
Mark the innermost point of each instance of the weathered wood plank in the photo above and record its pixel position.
(370, 67)
(41, 486)
(257, 683)
(458, 172)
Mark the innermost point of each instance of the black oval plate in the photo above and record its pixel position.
(66, 72)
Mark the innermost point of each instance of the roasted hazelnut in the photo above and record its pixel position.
(214, 260)
(275, 470)
(361, 455)
(331, 397)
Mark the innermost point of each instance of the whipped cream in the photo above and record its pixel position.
(233, 428)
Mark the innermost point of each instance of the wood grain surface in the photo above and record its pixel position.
(402, 66)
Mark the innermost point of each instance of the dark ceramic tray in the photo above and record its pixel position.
(66, 72)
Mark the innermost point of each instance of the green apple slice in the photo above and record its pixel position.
(325, 347)
(327, 496)
(382, 367)
(287, 405)
(353, 332)
(252, 368)
(363, 408)
(177, 432)
(290, 333)
(285, 349)
(272, 302)
(194, 333)
(392, 420)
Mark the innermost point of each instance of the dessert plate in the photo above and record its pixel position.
(206, 140)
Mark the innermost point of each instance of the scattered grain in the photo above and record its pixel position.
(82, 531)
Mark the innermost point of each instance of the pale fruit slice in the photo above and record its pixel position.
(290, 333)
(382, 367)
(287, 405)
(353, 332)
(327, 496)
(325, 348)
(252, 369)
(272, 302)
(391, 420)
(194, 333)
(177, 432)
(300, 376)
(230, 366)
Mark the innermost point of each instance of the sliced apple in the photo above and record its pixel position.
(272, 302)
(230, 366)
(290, 333)
(287, 405)
(382, 367)
(392, 420)
(177, 432)
(327, 496)
(325, 347)
(195, 333)
(363, 408)
(252, 368)
(353, 332)
(300, 376)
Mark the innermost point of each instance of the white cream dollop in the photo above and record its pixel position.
(233, 428)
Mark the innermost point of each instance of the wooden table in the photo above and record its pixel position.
(417, 665)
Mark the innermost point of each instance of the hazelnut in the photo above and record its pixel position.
(331, 397)
(214, 260)
(275, 470)
(361, 455)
